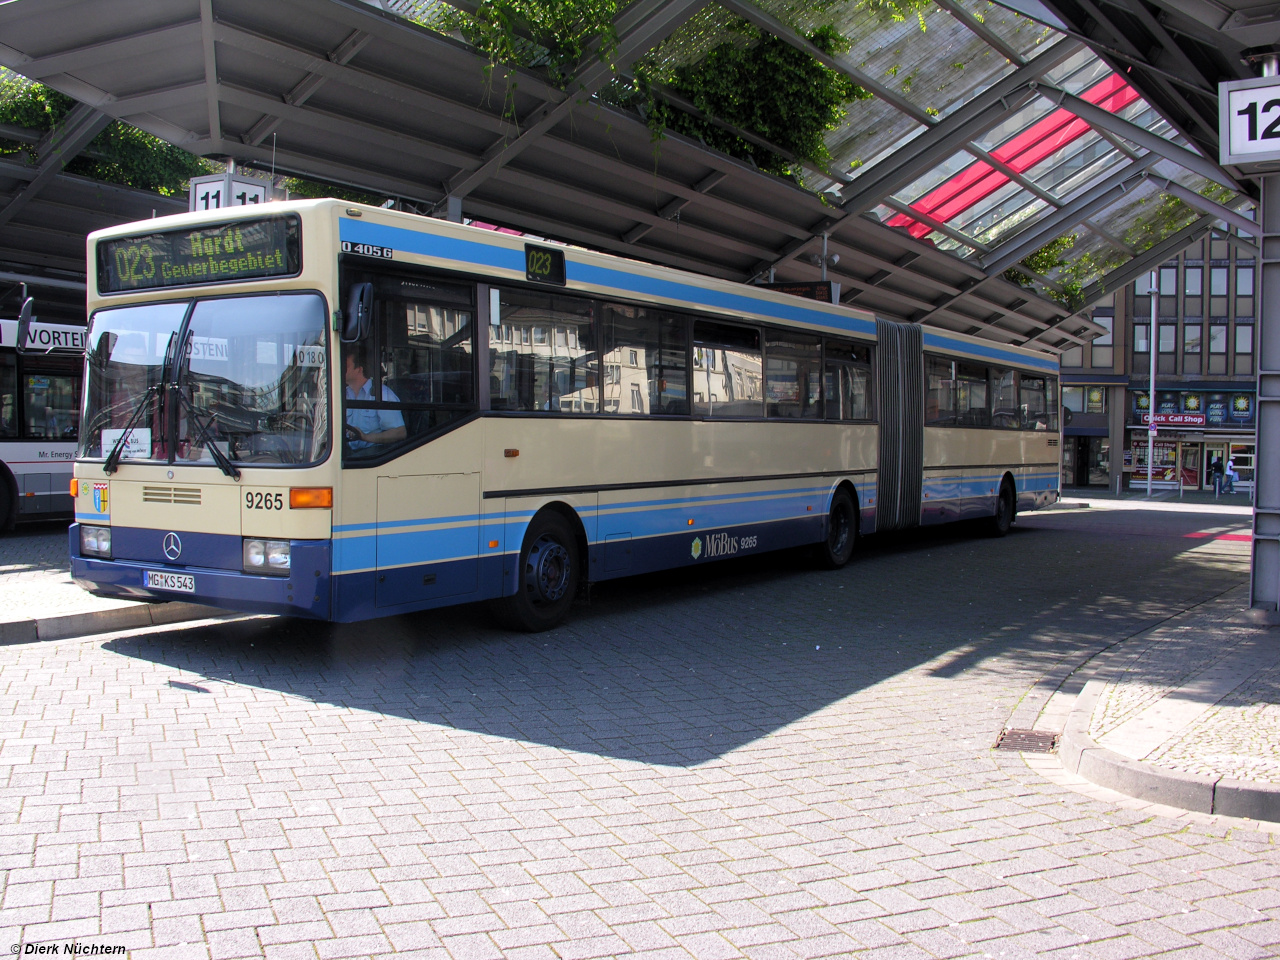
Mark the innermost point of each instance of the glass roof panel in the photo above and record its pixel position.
(1020, 33)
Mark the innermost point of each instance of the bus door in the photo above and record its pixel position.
(428, 538)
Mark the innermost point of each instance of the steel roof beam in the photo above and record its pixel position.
(645, 22)
(953, 133)
(981, 31)
(123, 47)
(55, 150)
(1079, 209)
(1146, 261)
(935, 224)
(210, 70)
(1095, 116)
(336, 69)
(1167, 43)
(1205, 205)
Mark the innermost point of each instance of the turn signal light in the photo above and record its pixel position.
(304, 498)
(75, 488)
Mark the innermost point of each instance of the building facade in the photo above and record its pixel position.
(1206, 382)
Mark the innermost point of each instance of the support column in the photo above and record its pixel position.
(1264, 593)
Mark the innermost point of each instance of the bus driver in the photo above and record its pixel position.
(367, 426)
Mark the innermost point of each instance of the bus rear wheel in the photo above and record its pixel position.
(999, 524)
(548, 577)
(842, 532)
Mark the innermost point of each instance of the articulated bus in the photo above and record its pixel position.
(39, 416)
(326, 410)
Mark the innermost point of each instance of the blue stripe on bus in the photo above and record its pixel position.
(479, 253)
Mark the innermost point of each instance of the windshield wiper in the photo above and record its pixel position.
(113, 458)
(221, 459)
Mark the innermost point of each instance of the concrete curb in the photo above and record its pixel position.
(103, 621)
(1080, 754)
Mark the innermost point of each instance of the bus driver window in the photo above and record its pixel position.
(367, 426)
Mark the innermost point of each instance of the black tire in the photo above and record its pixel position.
(999, 524)
(8, 515)
(550, 569)
(842, 532)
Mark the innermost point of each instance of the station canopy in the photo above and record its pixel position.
(1007, 171)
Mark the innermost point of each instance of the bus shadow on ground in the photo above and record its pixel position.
(679, 668)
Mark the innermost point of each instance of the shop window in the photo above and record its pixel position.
(847, 389)
(793, 376)
(727, 371)
(542, 376)
(1095, 400)
(1073, 399)
(1244, 349)
(1217, 349)
(644, 357)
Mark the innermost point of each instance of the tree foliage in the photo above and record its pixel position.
(120, 154)
(764, 86)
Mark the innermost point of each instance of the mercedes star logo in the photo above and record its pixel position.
(172, 546)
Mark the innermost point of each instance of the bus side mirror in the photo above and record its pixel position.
(358, 320)
(1066, 416)
(24, 324)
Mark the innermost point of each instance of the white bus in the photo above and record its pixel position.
(335, 411)
(39, 418)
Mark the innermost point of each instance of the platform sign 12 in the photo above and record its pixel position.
(1249, 121)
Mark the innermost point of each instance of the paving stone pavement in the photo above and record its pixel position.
(753, 759)
(35, 576)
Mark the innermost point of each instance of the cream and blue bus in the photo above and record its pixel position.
(326, 410)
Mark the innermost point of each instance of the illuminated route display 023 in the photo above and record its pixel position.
(240, 250)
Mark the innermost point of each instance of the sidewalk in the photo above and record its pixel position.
(38, 601)
(1186, 713)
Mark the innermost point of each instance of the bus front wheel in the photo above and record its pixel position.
(842, 532)
(549, 572)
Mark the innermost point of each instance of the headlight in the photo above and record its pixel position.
(95, 541)
(266, 556)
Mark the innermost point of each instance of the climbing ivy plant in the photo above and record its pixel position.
(120, 154)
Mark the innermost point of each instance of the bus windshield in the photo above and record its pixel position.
(253, 378)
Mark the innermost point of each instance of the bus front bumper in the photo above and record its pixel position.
(304, 593)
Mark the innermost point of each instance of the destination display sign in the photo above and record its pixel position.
(544, 264)
(224, 253)
(824, 290)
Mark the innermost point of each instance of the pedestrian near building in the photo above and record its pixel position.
(1231, 475)
(1218, 474)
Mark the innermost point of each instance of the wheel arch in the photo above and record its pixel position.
(571, 517)
(848, 487)
(1008, 480)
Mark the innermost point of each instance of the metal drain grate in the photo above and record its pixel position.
(1028, 741)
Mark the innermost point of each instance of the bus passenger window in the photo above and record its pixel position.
(644, 361)
(940, 392)
(793, 380)
(727, 371)
(972, 409)
(1032, 403)
(1003, 388)
(8, 398)
(52, 404)
(847, 386)
(553, 374)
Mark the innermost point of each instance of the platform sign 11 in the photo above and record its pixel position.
(224, 190)
(1249, 121)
